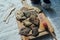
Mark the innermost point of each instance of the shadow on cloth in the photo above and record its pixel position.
(45, 37)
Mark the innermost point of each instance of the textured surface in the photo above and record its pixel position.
(10, 31)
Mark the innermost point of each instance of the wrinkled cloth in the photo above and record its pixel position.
(46, 5)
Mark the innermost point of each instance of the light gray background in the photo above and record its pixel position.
(10, 31)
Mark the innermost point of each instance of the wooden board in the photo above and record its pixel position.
(41, 28)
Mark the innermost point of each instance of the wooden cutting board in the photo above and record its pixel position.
(42, 18)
